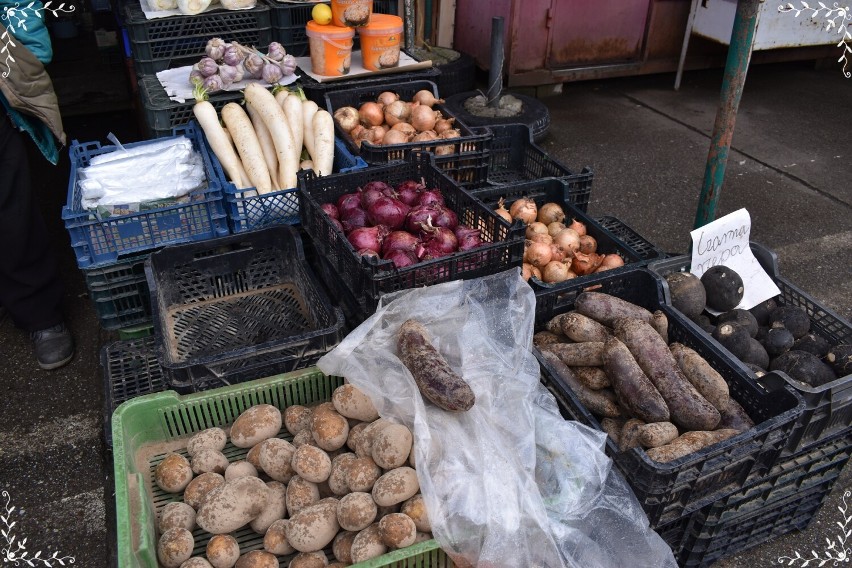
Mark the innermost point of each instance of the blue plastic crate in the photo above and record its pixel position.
(97, 242)
(246, 213)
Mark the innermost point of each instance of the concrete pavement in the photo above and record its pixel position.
(647, 145)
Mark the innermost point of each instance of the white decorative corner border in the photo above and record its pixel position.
(15, 17)
(836, 18)
(836, 551)
(14, 552)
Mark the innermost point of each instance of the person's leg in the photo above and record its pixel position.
(30, 287)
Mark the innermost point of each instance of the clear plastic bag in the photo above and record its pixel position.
(478, 469)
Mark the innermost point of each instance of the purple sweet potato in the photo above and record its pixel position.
(634, 389)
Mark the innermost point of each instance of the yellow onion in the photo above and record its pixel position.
(536, 227)
(551, 213)
(568, 239)
(588, 244)
(537, 254)
(524, 209)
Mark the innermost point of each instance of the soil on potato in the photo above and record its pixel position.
(506, 106)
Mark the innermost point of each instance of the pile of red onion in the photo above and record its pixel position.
(404, 224)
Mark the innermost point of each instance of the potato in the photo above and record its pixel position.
(253, 457)
(196, 562)
(337, 478)
(275, 509)
(367, 544)
(173, 474)
(305, 437)
(356, 511)
(232, 505)
(276, 457)
(311, 463)
(223, 551)
(240, 468)
(301, 493)
(256, 424)
(361, 474)
(342, 546)
(175, 547)
(415, 507)
(177, 515)
(391, 446)
(656, 434)
(395, 486)
(309, 560)
(350, 402)
(275, 539)
(397, 530)
(422, 537)
(314, 527)
(207, 460)
(329, 429)
(297, 418)
(212, 438)
(354, 434)
(257, 559)
(364, 443)
(199, 487)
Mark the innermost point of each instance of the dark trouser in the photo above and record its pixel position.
(30, 288)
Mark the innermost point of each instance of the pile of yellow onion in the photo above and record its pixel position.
(553, 251)
(389, 120)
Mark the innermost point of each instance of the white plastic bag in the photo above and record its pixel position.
(478, 469)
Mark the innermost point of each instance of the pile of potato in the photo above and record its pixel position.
(346, 480)
(616, 357)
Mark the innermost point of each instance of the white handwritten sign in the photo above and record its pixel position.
(726, 241)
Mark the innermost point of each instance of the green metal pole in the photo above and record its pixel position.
(736, 67)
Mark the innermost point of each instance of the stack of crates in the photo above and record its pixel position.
(178, 41)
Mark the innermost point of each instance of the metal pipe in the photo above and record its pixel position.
(495, 73)
(408, 17)
(736, 67)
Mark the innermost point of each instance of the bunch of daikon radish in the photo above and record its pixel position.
(261, 146)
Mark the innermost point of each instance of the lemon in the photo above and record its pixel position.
(321, 14)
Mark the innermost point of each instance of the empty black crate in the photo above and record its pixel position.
(516, 158)
(828, 409)
(316, 91)
(669, 491)
(469, 144)
(130, 369)
(551, 190)
(368, 279)
(238, 308)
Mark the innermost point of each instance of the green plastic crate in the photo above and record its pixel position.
(146, 428)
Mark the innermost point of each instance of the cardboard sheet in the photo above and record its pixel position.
(406, 63)
(152, 13)
(179, 89)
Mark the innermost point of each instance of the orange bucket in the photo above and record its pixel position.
(351, 13)
(380, 42)
(331, 49)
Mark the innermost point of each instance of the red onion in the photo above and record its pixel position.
(420, 214)
(389, 212)
(409, 192)
(354, 219)
(348, 201)
(445, 218)
(368, 252)
(438, 241)
(381, 186)
(368, 237)
(401, 258)
(331, 210)
(369, 196)
(400, 240)
(468, 238)
(430, 196)
(337, 224)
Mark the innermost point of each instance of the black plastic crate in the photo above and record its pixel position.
(163, 114)
(551, 190)
(516, 158)
(368, 279)
(669, 491)
(130, 369)
(626, 234)
(176, 41)
(468, 170)
(353, 310)
(120, 292)
(828, 409)
(238, 308)
(787, 500)
(470, 144)
(289, 21)
(316, 91)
